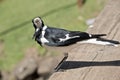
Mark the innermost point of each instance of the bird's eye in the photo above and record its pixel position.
(36, 21)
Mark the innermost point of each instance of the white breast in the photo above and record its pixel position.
(43, 39)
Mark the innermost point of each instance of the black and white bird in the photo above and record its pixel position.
(51, 36)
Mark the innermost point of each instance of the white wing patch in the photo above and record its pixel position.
(67, 38)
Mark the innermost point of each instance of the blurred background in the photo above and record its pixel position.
(16, 28)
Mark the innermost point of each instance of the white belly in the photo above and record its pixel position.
(44, 40)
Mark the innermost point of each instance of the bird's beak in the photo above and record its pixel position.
(34, 35)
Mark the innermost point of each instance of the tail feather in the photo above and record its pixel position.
(102, 41)
(106, 40)
(97, 35)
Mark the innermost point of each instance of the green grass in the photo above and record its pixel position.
(16, 28)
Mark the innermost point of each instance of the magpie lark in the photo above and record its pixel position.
(51, 36)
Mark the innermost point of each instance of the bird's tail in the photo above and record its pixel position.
(102, 41)
(97, 35)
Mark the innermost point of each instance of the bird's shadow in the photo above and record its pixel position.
(79, 64)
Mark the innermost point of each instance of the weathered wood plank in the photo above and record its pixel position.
(96, 62)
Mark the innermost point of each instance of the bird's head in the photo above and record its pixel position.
(38, 24)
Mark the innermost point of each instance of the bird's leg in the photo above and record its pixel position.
(61, 62)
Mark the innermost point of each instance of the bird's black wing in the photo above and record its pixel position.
(61, 37)
(53, 35)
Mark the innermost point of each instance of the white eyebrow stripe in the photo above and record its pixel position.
(37, 19)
